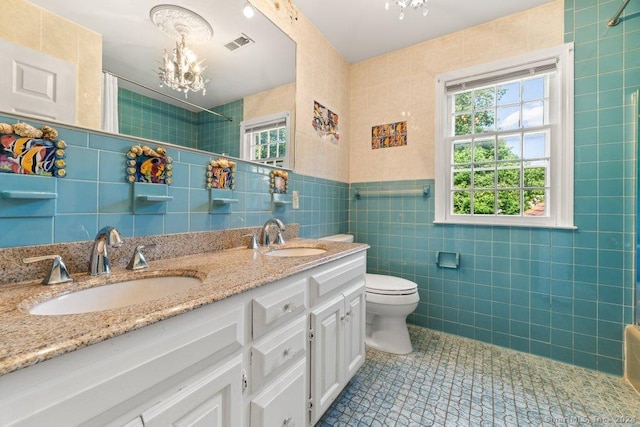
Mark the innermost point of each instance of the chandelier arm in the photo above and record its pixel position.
(215, 113)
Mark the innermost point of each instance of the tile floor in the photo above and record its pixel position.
(454, 381)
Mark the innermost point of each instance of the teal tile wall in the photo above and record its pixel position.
(94, 194)
(219, 135)
(556, 293)
(149, 118)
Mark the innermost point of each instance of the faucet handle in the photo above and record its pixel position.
(58, 273)
(137, 261)
(253, 244)
(279, 238)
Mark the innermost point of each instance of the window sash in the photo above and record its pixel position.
(558, 212)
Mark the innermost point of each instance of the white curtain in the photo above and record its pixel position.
(109, 103)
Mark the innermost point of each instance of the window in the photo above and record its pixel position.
(504, 142)
(266, 140)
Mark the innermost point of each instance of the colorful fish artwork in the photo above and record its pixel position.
(221, 174)
(150, 166)
(23, 155)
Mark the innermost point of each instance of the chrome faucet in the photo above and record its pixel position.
(99, 263)
(265, 231)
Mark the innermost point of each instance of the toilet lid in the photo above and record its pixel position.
(389, 285)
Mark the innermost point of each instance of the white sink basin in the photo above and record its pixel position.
(115, 295)
(291, 252)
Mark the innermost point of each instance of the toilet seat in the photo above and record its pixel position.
(389, 285)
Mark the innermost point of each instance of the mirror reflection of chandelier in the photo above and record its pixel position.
(415, 4)
(181, 70)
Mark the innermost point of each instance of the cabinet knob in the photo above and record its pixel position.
(288, 353)
(346, 316)
(288, 307)
(288, 422)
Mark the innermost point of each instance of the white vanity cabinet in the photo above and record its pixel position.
(119, 380)
(337, 328)
(277, 355)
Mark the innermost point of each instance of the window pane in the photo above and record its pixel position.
(535, 145)
(462, 203)
(484, 179)
(462, 124)
(484, 150)
(462, 102)
(273, 135)
(509, 178)
(533, 89)
(484, 98)
(508, 93)
(509, 117)
(509, 147)
(535, 177)
(535, 201)
(282, 149)
(509, 202)
(484, 203)
(484, 121)
(461, 179)
(533, 114)
(462, 152)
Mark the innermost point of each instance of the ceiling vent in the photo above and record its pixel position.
(238, 43)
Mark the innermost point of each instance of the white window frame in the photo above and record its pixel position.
(272, 119)
(561, 145)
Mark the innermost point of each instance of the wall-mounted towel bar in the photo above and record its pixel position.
(424, 192)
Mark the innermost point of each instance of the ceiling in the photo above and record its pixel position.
(362, 29)
(358, 29)
(133, 46)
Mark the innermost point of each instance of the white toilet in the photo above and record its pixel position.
(389, 301)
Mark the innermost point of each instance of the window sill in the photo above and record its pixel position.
(502, 224)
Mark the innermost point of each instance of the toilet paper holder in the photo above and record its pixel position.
(448, 259)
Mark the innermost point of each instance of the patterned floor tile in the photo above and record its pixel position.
(455, 381)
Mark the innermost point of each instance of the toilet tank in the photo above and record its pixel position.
(344, 238)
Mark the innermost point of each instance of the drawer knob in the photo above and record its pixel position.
(288, 422)
(288, 307)
(288, 353)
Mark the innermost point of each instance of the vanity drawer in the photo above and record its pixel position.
(277, 351)
(284, 402)
(275, 307)
(340, 273)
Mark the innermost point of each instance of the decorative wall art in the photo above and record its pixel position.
(279, 181)
(27, 150)
(150, 166)
(221, 173)
(325, 122)
(389, 135)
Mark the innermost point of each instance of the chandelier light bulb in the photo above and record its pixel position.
(248, 11)
(404, 4)
(180, 69)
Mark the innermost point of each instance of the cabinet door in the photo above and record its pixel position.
(354, 329)
(213, 399)
(282, 403)
(327, 355)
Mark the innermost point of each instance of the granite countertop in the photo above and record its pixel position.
(28, 339)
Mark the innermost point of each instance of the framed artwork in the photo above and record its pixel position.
(389, 135)
(279, 181)
(27, 150)
(325, 122)
(221, 173)
(150, 166)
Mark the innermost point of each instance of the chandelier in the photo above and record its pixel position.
(404, 4)
(181, 70)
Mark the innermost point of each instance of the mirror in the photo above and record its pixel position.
(133, 49)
